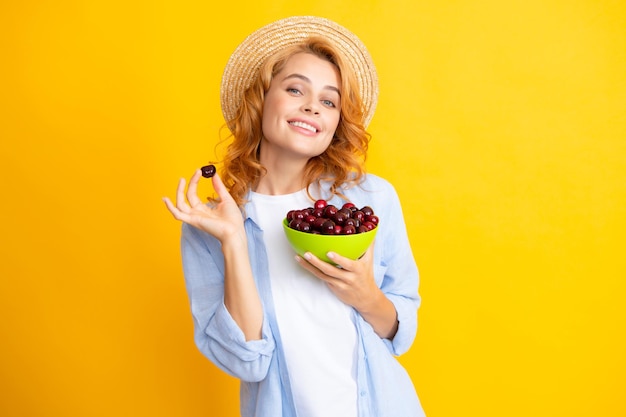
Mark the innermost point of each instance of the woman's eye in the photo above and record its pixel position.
(293, 91)
(328, 103)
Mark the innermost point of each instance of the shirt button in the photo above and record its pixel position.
(363, 393)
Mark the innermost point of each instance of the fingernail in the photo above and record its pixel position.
(331, 255)
(308, 256)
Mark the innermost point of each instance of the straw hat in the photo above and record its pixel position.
(243, 65)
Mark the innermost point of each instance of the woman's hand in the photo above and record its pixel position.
(223, 221)
(352, 281)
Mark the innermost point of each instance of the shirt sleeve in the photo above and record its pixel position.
(216, 334)
(400, 275)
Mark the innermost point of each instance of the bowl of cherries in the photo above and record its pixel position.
(347, 230)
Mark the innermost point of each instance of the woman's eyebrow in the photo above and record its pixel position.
(307, 80)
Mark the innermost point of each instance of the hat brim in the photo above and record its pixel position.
(243, 66)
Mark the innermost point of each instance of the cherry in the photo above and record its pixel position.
(328, 228)
(330, 211)
(340, 217)
(352, 222)
(318, 212)
(320, 204)
(369, 225)
(372, 218)
(295, 223)
(367, 210)
(349, 230)
(345, 210)
(318, 223)
(358, 215)
(208, 171)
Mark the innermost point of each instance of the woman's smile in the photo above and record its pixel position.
(304, 125)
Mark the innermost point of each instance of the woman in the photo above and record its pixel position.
(305, 337)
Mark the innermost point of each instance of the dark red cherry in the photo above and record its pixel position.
(369, 225)
(367, 210)
(320, 204)
(345, 210)
(372, 218)
(340, 217)
(358, 215)
(330, 211)
(349, 230)
(208, 171)
(318, 212)
(295, 223)
(351, 222)
(328, 228)
(318, 223)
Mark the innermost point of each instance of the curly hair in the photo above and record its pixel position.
(342, 163)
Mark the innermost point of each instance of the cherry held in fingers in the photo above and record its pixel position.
(208, 171)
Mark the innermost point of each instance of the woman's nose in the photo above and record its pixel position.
(310, 107)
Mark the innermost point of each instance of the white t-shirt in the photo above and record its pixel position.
(317, 329)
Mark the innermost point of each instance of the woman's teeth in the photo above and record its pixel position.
(304, 126)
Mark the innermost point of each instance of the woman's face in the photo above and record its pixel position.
(301, 109)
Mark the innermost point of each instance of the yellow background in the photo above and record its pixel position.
(501, 123)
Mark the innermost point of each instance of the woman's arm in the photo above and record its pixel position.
(241, 297)
(225, 222)
(216, 334)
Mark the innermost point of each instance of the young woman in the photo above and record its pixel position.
(305, 337)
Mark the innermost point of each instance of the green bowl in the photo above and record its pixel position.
(350, 246)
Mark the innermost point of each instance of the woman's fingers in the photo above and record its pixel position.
(321, 269)
(185, 201)
(178, 215)
(181, 209)
(192, 190)
(218, 220)
(342, 268)
(220, 188)
(170, 206)
(181, 203)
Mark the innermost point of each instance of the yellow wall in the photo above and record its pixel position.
(502, 124)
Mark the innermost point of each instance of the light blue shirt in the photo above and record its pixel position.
(384, 387)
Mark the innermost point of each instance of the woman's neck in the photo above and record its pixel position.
(271, 185)
(281, 178)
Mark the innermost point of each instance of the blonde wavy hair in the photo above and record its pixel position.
(342, 163)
